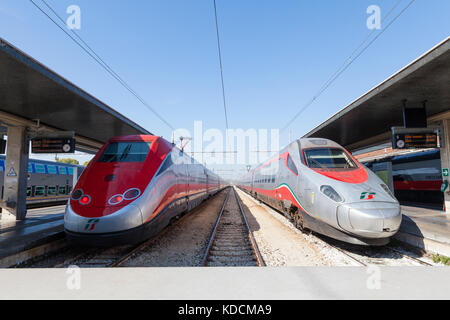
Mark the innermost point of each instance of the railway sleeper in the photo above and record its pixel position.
(233, 260)
(230, 253)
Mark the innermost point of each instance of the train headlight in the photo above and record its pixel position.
(84, 200)
(388, 191)
(76, 194)
(331, 193)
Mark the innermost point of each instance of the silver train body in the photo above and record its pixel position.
(345, 201)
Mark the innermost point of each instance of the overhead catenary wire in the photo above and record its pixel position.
(220, 65)
(98, 59)
(348, 62)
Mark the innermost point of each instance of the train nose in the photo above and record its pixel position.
(372, 219)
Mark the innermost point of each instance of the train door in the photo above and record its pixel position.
(207, 181)
(188, 183)
(252, 182)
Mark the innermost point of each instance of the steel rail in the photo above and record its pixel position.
(214, 231)
(408, 256)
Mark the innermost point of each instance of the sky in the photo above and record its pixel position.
(276, 55)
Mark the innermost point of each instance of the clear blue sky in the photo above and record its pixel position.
(276, 55)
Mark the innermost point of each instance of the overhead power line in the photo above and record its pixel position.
(220, 64)
(349, 61)
(97, 58)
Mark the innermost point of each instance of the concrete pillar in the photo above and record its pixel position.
(445, 158)
(74, 177)
(16, 171)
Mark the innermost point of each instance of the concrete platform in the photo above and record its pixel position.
(426, 229)
(20, 240)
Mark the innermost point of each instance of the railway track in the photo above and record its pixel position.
(117, 256)
(386, 255)
(359, 255)
(100, 257)
(231, 242)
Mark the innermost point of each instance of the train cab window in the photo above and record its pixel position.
(291, 165)
(28, 191)
(62, 190)
(328, 158)
(167, 163)
(39, 191)
(128, 151)
(51, 190)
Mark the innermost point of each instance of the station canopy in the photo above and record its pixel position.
(368, 120)
(30, 91)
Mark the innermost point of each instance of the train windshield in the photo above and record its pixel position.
(129, 151)
(328, 158)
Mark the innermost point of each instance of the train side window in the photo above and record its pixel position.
(291, 166)
(62, 189)
(51, 169)
(51, 190)
(39, 191)
(40, 168)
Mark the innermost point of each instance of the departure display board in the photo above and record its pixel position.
(53, 145)
(414, 140)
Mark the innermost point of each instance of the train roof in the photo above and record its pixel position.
(418, 156)
(317, 142)
(137, 137)
(410, 157)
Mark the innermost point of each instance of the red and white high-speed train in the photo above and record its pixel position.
(133, 188)
(322, 187)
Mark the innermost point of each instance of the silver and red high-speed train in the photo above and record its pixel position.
(322, 187)
(133, 188)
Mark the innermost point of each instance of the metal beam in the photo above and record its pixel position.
(35, 127)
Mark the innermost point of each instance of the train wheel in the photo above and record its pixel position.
(298, 220)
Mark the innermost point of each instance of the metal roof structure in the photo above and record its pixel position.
(368, 120)
(33, 94)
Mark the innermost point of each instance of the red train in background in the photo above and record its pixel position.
(133, 188)
(417, 178)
